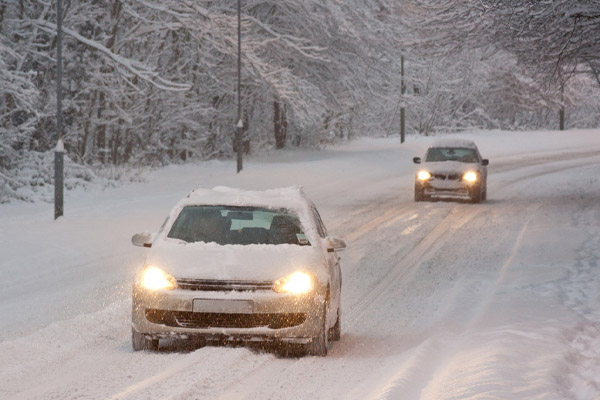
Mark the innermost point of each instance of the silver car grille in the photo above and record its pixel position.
(447, 176)
(213, 285)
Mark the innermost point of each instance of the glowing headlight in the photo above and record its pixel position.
(154, 278)
(296, 283)
(470, 177)
(423, 175)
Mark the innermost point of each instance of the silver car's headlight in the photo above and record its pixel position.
(296, 283)
(470, 176)
(154, 278)
(423, 175)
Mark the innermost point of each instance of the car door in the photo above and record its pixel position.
(333, 264)
(482, 168)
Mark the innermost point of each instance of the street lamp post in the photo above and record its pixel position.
(59, 150)
(402, 92)
(240, 123)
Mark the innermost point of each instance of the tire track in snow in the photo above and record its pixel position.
(378, 222)
(430, 242)
(582, 163)
(580, 293)
(356, 221)
(511, 165)
(255, 379)
(423, 360)
(171, 370)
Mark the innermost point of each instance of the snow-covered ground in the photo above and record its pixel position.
(441, 300)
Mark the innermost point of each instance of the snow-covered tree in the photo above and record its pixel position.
(149, 82)
(553, 38)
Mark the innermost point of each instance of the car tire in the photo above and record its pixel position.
(335, 333)
(484, 195)
(318, 345)
(476, 195)
(419, 195)
(140, 342)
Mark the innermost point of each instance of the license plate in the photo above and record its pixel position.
(223, 306)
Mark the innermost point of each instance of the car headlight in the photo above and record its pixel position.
(470, 177)
(423, 175)
(154, 278)
(296, 283)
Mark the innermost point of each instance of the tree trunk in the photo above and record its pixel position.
(284, 123)
(561, 113)
(2, 10)
(115, 14)
(102, 149)
(101, 132)
(82, 145)
(279, 124)
(115, 144)
(128, 145)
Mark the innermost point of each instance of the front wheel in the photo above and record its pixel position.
(419, 195)
(335, 333)
(318, 345)
(140, 342)
(476, 195)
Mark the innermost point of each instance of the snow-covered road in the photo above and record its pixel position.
(441, 300)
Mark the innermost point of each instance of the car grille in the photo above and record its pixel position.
(212, 285)
(450, 177)
(186, 319)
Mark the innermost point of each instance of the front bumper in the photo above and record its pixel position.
(447, 188)
(272, 316)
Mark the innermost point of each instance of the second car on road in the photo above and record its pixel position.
(452, 168)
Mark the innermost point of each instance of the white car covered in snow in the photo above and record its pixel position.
(235, 265)
(452, 168)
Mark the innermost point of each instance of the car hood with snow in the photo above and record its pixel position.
(443, 167)
(232, 262)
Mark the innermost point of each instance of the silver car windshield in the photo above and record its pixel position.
(238, 225)
(461, 154)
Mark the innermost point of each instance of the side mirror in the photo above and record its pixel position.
(335, 244)
(143, 239)
(485, 162)
(417, 160)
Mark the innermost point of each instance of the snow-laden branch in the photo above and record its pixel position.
(312, 52)
(9, 179)
(135, 67)
(173, 12)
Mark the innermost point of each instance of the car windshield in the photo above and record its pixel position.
(461, 154)
(238, 225)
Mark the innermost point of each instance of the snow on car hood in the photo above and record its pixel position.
(450, 166)
(235, 262)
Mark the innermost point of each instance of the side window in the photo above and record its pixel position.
(320, 227)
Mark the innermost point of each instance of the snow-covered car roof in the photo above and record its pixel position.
(453, 143)
(291, 198)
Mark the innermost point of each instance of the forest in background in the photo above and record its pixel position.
(148, 82)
